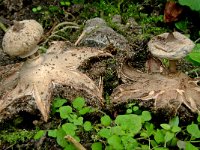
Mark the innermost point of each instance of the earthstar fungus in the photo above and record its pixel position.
(172, 46)
(39, 76)
(171, 93)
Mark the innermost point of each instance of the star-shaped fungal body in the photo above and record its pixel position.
(39, 76)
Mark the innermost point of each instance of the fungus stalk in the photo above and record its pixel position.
(34, 55)
(35, 59)
(172, 66)
(170, 37)
(172, 63)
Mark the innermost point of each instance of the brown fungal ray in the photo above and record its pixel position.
(171, 91)
(39, 76)
(9, 75)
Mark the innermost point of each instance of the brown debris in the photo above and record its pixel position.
(172, 11)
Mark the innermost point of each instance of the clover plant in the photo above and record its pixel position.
(131, 130)
(72, 119)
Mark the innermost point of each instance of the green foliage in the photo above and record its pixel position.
(39, 134)
(37, 9)
(16, 136)
(97, 146)
(131, 123)
(104, 9)
(194, 56)
(132, 130)
(78, 103)
(182, 25)
(72, 121)
(193, 129)
(189, 146)
(105, 120)
(149, 25)
(124, 130)
(120, 135)
(58, 102)
(146, 116)
(65, 3)
(193, 4)
(87, 126)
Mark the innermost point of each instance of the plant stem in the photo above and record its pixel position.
(172, 66)
(3, 27)
(36, 54)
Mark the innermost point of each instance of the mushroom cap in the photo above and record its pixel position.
(173, 49)
(22, 38)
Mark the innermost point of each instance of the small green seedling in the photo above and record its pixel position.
(37, 9)
(65, 3)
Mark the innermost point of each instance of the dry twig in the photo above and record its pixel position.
(75, 142)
